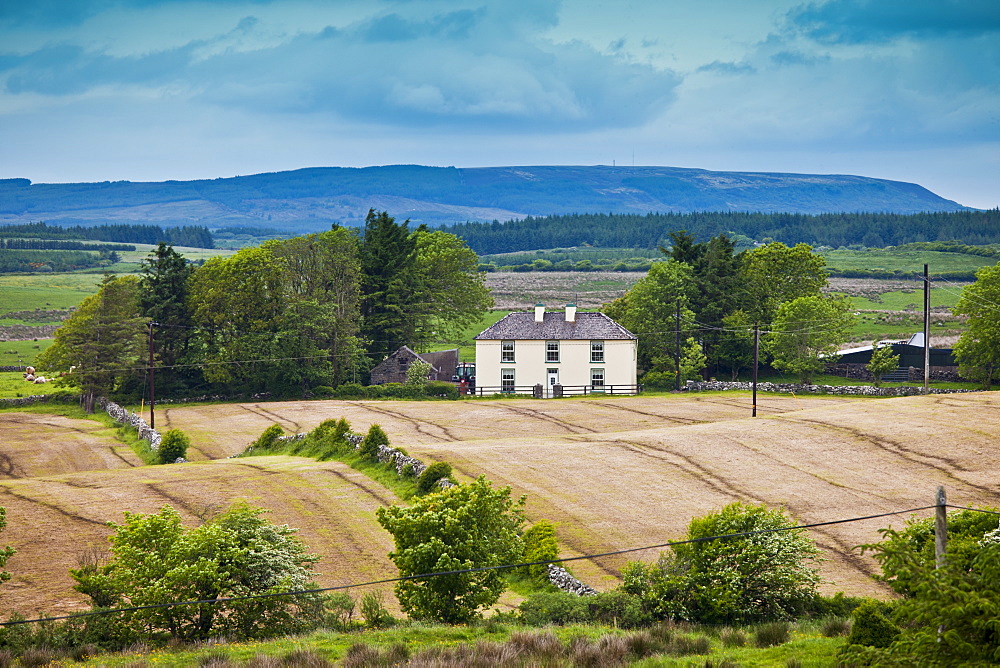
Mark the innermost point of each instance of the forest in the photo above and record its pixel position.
(651, 230)
(186, 235)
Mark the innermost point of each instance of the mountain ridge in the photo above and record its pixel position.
(312, 198)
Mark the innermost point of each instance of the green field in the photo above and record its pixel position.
(27, 292)
(903, 260)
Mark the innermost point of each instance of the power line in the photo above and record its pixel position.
(479, 569)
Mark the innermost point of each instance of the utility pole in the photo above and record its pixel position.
(152, 383)
(756, 357)
(927, 330)
(677, 344)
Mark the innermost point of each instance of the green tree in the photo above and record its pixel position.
(7, 552)
(949, 617)
(807, 333)
(462, 527)
(163, 299)
(774, 274)
(455, 292)
(104, 339)
(978, 348)
(156, 560)
(735, 346)
(173, 446)
(649, 309)
(391, 284)
(882, 362)
(417, 372)
(693, 360)
(743, 579)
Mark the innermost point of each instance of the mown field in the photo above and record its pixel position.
(615, 473)
(903, 260)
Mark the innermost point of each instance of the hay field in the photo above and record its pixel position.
(615, 473)
(53, 521)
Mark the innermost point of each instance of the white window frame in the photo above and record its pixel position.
(594, 387)
(508, 384)
(597, 352)
(551, 354)
(507, 352)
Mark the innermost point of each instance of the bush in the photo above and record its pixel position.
(743, 579)
(268, 438)
(560, 608)
(173, 446)
(350, 391)
(441, 390)
(322, 391)
(540, 544)
(373, 611)
(427, 482)
(372, 440)
(871, 626)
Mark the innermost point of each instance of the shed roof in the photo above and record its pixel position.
(588, 325)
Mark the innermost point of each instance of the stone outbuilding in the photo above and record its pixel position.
(393, 368)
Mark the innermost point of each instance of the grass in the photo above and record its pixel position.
(807, 646)
(464, 341)
(22, 353)
(903, 260)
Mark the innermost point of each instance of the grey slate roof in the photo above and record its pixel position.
(588, 325)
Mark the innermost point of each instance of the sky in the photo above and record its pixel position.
(150, 90)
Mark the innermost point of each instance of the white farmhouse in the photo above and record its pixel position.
(563, 353)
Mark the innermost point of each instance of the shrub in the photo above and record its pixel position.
(466, 526)
(373, 611)
(733, 638)
(173, 446)
(540, 544)
(441, 390)
(372, 440)
(322, 391)
(543, 608)
(428, 480)
(350, 391)
(871, 625)
(268, 438)
(747, 578)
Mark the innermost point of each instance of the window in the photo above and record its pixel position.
(506, 352)
(597, 352)
(506, 380)
(597, 380)
(551, 351)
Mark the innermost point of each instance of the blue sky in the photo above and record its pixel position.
(94, 90)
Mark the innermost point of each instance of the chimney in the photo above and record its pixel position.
(570, 312)
(539, 312)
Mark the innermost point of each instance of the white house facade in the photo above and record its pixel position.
(567, 352)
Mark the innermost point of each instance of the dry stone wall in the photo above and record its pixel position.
(798, 388)
(561, 578)
(127, 417)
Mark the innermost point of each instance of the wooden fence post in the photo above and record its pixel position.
(940, 529)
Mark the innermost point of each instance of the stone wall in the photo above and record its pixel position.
(561, 578)
(797, 388)
(123, 416)
(25, 401)
(916, 374)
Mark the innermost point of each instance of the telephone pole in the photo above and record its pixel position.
(152, 382)
(927, 330)
(756, 357)
(677, 344)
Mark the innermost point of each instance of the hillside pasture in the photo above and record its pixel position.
(41, 445)
(612, 491)
(56, 522)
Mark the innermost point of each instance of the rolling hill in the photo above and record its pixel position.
(615, 473)
(311, 199)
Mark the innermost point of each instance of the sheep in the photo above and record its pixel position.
(42, 379)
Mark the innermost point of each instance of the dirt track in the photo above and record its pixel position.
(614, 472)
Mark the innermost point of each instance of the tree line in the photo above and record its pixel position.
(652, 230)
(49, 244)
(284, 317)
(54, 260)
(195, 236)
(695, 313)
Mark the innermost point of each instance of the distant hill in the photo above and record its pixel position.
(311, 199)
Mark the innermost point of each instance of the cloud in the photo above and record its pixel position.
(859, 21)
(477, 66)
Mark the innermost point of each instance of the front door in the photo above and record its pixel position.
(553, 379)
